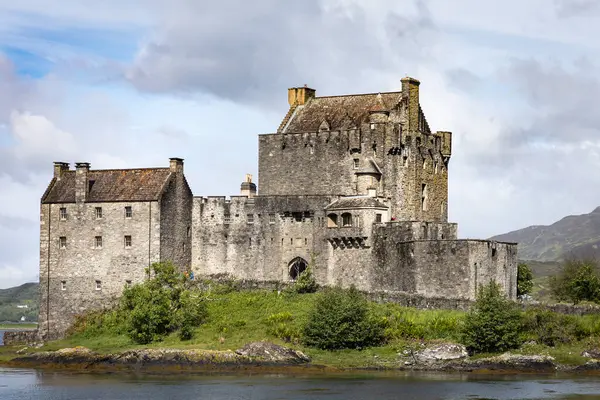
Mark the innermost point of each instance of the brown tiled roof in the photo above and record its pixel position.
(337, 110)
(355, 202)
(111, 185)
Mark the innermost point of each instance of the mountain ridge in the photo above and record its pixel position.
(571, 236)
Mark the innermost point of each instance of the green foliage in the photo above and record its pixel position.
(306, 282)
(161, 305)
(550, 328)
(341, 319)
(578, 281)
(410, 323)
(524, 279)
(494, 323)
(26, 294)
(280, 325)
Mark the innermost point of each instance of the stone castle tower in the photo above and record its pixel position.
(356, 183)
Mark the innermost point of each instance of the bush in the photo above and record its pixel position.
(161, 305)
(340, 319)
(550, 328)
(578, 281)
(306, 282)
(494, 323)
(280, 326)
(524, 279)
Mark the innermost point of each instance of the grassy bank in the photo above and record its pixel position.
(237, 318)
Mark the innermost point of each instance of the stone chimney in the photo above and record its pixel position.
(410, 91)
(59, 168)
(82, 170)
(176, 165)
(300, 95)
(248, 188)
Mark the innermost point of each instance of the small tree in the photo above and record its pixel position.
(493, 324)
(340, 319)
(161, 305)
(306, 282)
(578, 281)
(524, 279)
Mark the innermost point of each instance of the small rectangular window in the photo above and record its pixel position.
(128, 282)
(189, 232)
(98, 212)
(62, 242)
(250, 218)
(98, 242)
(378, 218)
(356, 163)
(128, 212)
(63, 214)
(227, 219)
(63, 285)
(271, 218)
(127, 241)
(98, 285)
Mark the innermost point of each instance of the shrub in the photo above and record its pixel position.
(577, 281)
(524, 279)
(280, 326)
(550, 328)
(306, 282)
(161, 305)
(494, 323)
(340, 319)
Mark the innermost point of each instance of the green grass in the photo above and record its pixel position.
(237, 318)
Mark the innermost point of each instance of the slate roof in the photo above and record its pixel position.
(370, 167)
(111, 185)
(340, 111)
(355, 202)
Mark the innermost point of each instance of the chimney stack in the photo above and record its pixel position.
(410, 91)
(300, 95)
(176, 165)
(248, 188)
(59, 168)
(82, 170)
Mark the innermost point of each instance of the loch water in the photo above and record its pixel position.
(22, 384)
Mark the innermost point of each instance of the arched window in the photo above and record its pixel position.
(346, 219)
(297, 266)
(332, 220)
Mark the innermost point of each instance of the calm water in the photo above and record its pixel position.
(31, 384)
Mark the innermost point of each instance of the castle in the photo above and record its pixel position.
(356, 183)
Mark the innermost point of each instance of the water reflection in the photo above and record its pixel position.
(31, 384)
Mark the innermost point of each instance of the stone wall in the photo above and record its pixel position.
(452, 269)
(12, 338)
(256, 238)
(176, 222)
(81, 276)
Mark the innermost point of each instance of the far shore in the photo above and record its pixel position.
(17, 326)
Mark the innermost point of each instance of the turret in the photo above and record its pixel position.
(248, 188)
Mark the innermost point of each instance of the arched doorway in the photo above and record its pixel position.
(296, 267)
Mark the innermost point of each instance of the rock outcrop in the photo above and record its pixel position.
(272, 353)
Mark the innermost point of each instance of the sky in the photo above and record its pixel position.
(130, 83)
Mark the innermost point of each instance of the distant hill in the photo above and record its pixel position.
(574, 235)
(19, 301)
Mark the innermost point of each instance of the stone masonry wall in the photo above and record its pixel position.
(68, 276)
(262, 236)
(176, 222)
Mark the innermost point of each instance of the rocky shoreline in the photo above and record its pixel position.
(266, 356)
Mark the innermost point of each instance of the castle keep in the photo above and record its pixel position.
(356, 183)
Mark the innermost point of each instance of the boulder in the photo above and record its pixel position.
(441, 352)
(270, 352)
(592, 353)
